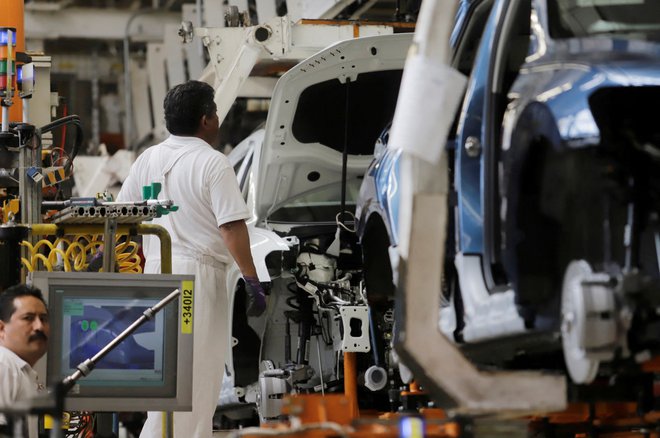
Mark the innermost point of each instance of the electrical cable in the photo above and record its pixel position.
(65, 110)
(343, 225)
(372, 333)
(66, 120)
(57, 161)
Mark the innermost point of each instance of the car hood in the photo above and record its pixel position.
(307, 128)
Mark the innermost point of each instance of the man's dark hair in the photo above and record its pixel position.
(7, 297)
(185, 105)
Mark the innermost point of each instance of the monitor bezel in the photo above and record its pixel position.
(182, 401)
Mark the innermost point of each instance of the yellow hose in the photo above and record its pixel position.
(27, 264)
(52, 258)
(128, 262)
(85, 244)
(44, 259)
(76, 252)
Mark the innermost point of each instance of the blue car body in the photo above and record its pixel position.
(563, 132)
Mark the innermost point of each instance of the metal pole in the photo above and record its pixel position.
(109, 233)
(26, 110)
(5, 118)
(350, 382)
(96, 122)
(128, 101)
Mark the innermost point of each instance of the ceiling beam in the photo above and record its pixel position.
(97, 23)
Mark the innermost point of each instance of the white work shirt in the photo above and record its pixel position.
(18, 382)
(201, 181)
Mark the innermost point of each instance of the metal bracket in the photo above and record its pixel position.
(356, 329)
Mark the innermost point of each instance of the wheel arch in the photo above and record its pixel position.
(531, 187)
(378, 270)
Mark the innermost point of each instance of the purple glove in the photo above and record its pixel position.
(255, 303)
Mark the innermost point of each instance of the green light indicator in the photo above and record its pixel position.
(84, 325)
(94, 325)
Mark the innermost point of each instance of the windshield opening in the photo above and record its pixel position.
(332, 113)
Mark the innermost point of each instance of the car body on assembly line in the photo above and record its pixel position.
(301, 175)
(554, 163)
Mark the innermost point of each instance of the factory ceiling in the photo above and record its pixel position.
(373, 10)
(62, 26)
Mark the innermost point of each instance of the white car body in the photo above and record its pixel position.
(284, 165)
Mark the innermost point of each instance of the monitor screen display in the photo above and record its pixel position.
(149, 369)
(89, 324)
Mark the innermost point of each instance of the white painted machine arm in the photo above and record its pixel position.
(234, 51)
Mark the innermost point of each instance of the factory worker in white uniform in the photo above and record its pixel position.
(207, 231)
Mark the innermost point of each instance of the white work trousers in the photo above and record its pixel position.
(209, 350)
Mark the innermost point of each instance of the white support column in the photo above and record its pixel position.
(174, 55)
(40, 104)
(266, 10)
(157, 82)
(214, 13)
(141, 103)
(194, 51)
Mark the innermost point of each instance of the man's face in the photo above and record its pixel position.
(211, 126)
(26, 333)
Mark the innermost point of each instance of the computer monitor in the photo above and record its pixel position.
(150, 369)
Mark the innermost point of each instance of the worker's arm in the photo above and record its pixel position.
(236, 238)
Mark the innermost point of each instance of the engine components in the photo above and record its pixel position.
(375, 378)
(323, 301)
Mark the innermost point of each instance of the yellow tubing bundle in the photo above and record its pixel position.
(73, 255)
